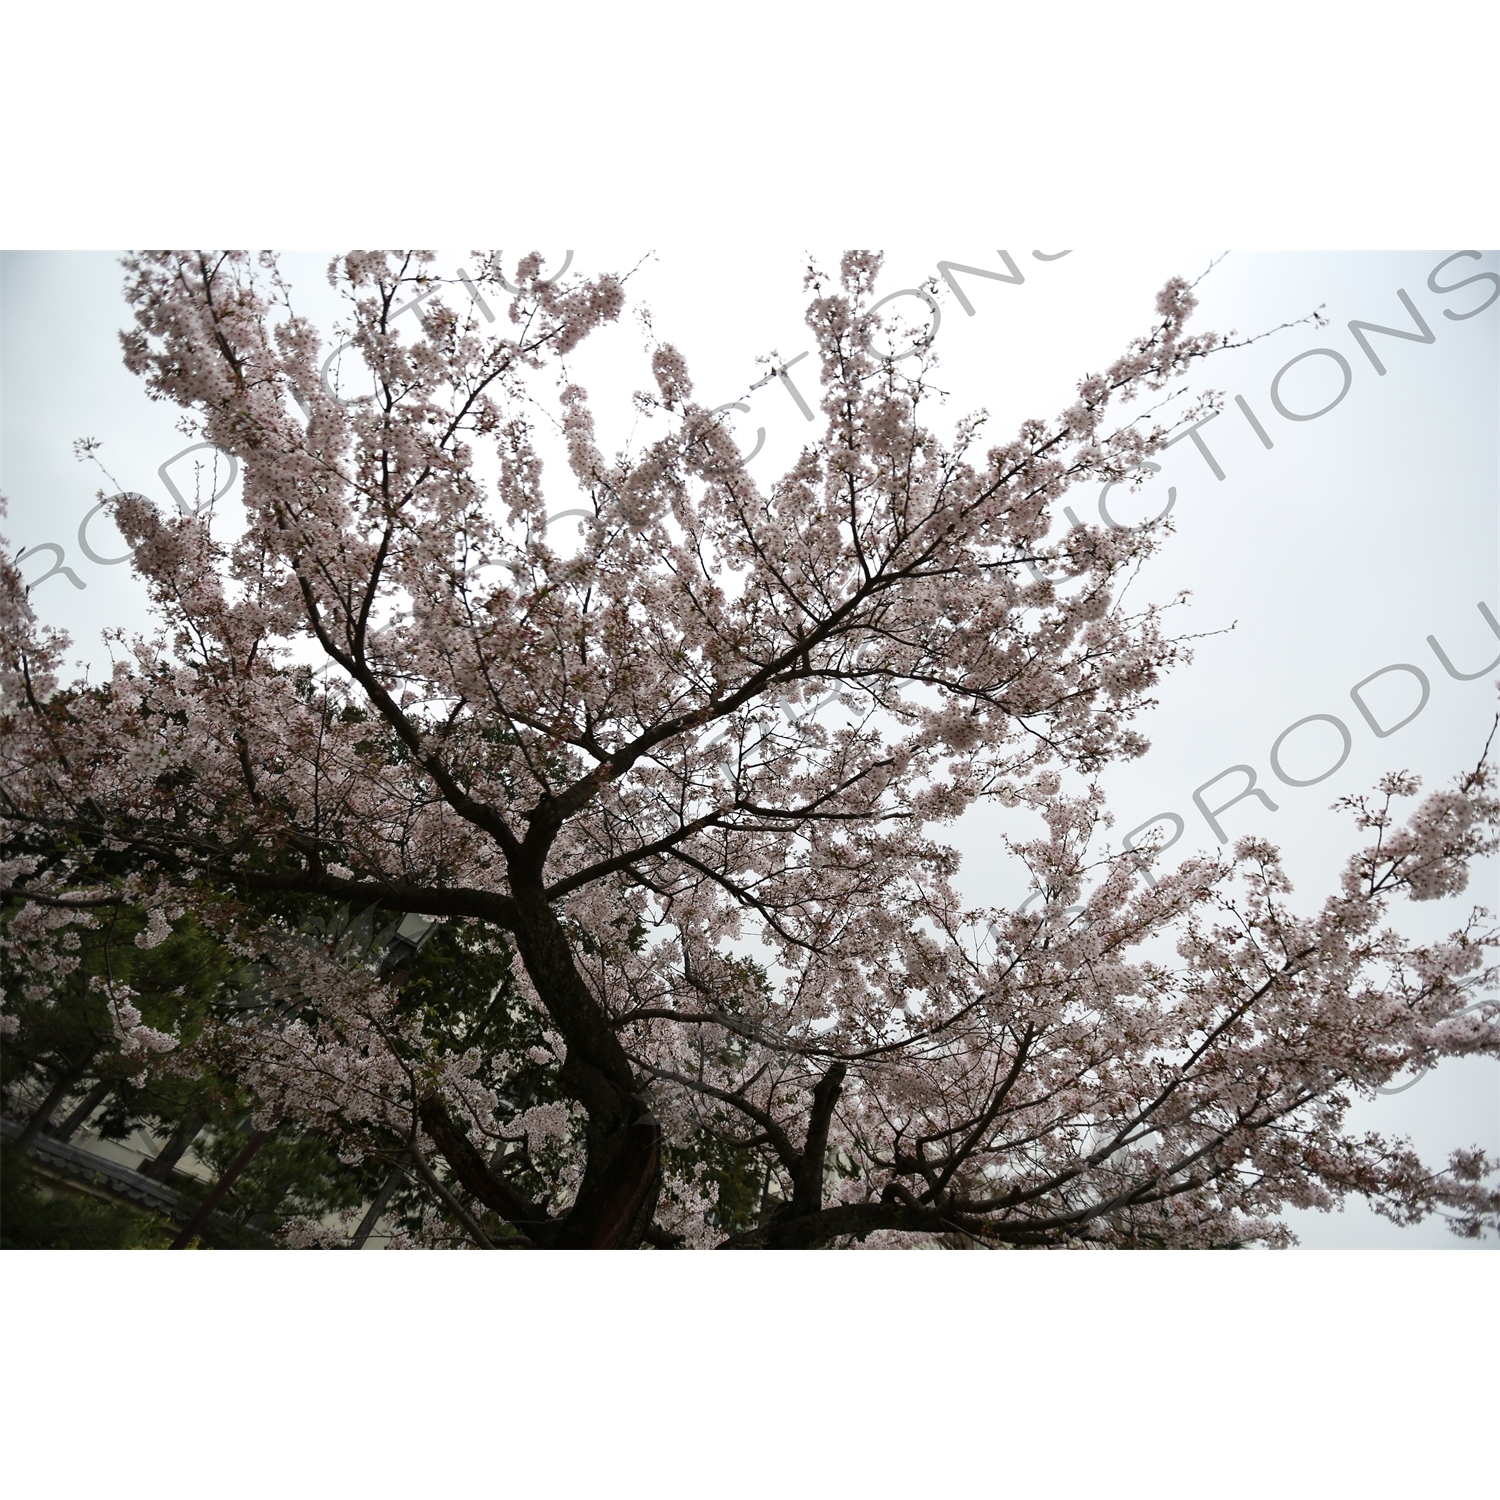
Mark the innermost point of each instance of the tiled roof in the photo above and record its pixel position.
(81, 1166)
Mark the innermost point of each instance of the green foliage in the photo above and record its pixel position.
(739, 1175)
(178, 986)
(69, 1031)
(462, 984)
(31, 1219)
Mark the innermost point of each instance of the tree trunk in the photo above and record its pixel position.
(618, 1195)
(159, 1168)
(622, 1174)
(372, 1218)
(80, 1113)
(55, 1096)
(791, 1226)
(218, 1191)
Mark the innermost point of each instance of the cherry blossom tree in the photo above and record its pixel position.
(691, 778)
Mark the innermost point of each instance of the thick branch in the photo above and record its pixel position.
(471, 1169)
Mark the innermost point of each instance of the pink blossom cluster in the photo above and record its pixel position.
(737, 919)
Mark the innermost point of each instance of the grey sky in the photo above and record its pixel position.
(1333, 553)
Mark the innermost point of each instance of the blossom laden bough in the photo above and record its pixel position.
(762, 1015)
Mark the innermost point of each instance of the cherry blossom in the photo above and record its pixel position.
(734, 917)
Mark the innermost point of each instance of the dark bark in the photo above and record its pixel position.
(383, 1197)
(615, 1201)
(807, 1185)
(55, 1096)
(473, 1172)
(898, 1209)
(472, 1227)
(596, 1068)
(217, 1192)
(810, 1231)
(618, 1195)
(622, 1172)
(798, 1223)
(159, 1168)
(80, 1112)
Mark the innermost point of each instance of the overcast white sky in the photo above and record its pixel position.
(1334, 553)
